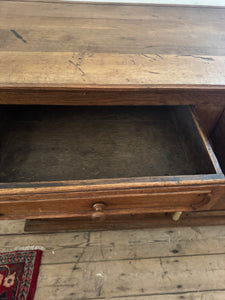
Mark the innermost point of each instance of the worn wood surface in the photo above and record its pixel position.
(214, 216)
(73, 53)
(202, 218)
(54, 205)
(170, 263)
(170, 95)
(105, 49)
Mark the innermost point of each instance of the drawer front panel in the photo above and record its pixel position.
(112, 205)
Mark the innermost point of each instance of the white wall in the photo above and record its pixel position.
(191, 2)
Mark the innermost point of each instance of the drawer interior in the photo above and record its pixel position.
(57, 143)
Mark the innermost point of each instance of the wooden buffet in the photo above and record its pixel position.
(112, 115)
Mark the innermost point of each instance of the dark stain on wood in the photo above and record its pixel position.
(205, 58)
(17, 35)
(123, 288)
(175, 251)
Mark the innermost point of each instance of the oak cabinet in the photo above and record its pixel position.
(96, 114)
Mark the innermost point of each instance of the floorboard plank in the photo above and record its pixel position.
(121, 245)
(11, 226)
(132, 278)
(170, 263)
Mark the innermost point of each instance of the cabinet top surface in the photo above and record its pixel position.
(80, 45)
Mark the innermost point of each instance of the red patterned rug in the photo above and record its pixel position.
(18, 274)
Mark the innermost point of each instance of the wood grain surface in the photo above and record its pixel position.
(99, 46)
(171, 263)
(70, 53)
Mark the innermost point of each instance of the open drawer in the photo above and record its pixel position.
(58, 161)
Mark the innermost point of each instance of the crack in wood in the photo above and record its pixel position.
(87, 236)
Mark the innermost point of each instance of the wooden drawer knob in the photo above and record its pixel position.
(98, 214)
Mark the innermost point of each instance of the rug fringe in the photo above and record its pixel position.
(29, 248)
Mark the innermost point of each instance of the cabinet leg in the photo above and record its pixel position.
(176, 216)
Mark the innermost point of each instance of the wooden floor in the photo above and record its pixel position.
(177, 263)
